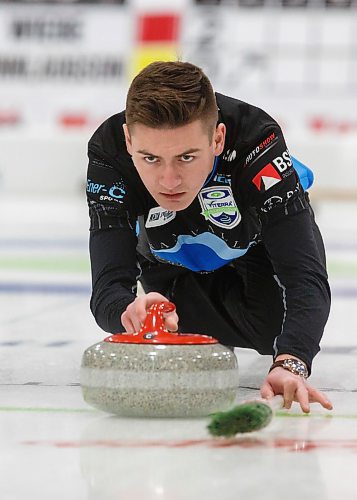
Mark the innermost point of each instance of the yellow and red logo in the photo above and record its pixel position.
(157, 39)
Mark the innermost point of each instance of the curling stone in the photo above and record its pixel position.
(157, 373)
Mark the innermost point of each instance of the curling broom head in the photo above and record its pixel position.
(247, 417)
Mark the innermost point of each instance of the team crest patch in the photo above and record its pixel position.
(219, 206)
(159, 216)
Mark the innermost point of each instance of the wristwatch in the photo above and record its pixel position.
(292, 365)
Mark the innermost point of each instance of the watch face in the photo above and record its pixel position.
(296, 367)
(292, 365)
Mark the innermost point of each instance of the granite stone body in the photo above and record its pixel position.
(156, 380)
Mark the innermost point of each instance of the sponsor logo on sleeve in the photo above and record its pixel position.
(219, 207)
(159, 216)
(279, 168)
(273, 201)
(266, 178)
(93, 187)
(270, 203)
(116, 192)
(264, 146)
(230, 155)
(283, 163)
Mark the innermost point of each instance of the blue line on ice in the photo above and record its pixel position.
(62, 288)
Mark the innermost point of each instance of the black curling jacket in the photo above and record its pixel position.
(255, 195)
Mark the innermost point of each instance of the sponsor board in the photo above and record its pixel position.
(219, 207)
(43, 47)
(76, 68)
(43, 28)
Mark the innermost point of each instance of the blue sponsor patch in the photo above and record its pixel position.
(115, 192)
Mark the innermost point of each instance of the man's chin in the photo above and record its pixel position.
(174, 207)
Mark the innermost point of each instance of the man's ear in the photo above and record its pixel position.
(219, 139)
(129, 146)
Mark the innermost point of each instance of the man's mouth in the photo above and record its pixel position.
(173, 196)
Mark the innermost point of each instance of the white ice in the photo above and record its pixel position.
(54, 446)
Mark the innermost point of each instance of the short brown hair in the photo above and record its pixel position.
(169, 95)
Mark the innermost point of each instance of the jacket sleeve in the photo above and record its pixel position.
(112, 244)
(294, 245)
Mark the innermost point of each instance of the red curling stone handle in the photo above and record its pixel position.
(153, 330)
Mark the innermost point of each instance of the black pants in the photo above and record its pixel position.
(240, 304)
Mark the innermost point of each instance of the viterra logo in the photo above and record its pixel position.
(219, 206)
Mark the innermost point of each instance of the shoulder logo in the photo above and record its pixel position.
(219, 206)
(230, 155)
(262, 148)
(116, 192)
(159, 216)
(266, 178)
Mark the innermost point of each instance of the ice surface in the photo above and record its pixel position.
(52, 445)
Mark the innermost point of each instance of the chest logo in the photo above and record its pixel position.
(219, 206)
(158, 216)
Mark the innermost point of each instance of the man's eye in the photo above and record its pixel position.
(150, 159)
(187, 158)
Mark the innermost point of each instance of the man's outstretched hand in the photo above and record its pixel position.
(293, 388)
(134, 315)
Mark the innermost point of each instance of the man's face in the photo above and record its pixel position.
(174, 163)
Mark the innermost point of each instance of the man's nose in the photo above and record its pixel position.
(170, 178)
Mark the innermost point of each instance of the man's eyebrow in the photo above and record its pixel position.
(187, 152)
(143, 152)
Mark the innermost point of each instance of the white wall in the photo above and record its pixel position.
(55, 164)
(47, 164)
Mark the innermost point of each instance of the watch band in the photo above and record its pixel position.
(292, 365)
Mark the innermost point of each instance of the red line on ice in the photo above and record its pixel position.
(292, 445)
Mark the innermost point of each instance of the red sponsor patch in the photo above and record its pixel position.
(266, 178)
